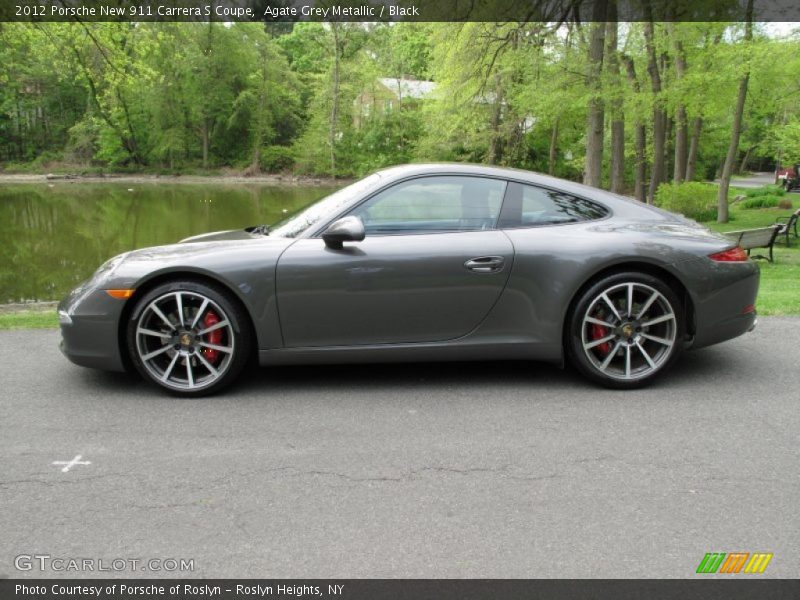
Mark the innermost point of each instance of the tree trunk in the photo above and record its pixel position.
(681, 124)
(551, 161)
(596, 117)
(205, 143)
(640, 169)
(691, 158)
(745, 159)
(496, 144)
(260, 119)
(659, 114)
(617, 114)
(20, 144)
(335, 102)
(733, 147)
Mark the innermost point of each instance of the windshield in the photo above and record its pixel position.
(328, 206)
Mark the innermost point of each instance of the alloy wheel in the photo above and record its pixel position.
(628, 331)
(185, 340)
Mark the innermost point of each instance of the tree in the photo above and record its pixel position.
(595, 113)
(733, 147)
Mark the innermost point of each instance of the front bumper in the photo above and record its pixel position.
(90, 329)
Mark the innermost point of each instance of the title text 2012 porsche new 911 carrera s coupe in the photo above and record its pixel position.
(418, 263)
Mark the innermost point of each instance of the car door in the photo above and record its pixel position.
(430, 268)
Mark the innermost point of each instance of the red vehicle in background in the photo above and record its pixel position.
(788, 178)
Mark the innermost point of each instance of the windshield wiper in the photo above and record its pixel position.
(258, 229)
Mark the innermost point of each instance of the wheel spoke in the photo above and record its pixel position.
(189, 373)
(657, 339)
(647, 305)
(168, 370)
(207, 365)
(611, 305)
(597, 321)
(627, 361)
(610, 357)
(658, 320)
(599, 341)
(630, 300)
(221, 324)
(179, 302)
(199, 314)
(646, 355)
(161, 315)
(225, 349)
(155, 353)
(158, 334)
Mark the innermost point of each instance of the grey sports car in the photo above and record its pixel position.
(421, 263)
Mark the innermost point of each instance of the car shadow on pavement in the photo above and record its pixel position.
(410, 375)
(692, 369)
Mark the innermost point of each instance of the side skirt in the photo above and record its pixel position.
(385, 353)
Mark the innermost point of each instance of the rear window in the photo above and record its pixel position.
(532, 206)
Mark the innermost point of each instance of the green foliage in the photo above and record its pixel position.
(765, 190)
(762, 201)
(693, 200)
(181, 96)
(276, 159)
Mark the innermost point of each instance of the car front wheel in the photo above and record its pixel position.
(188, 338)
(625, 330)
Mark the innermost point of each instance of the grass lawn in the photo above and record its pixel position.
(29, 319)
(779, 293)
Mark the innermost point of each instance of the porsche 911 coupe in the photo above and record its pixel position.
(421, 263)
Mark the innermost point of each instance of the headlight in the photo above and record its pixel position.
(107, 268)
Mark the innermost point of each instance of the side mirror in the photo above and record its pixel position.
(346, 229)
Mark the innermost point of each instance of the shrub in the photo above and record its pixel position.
(785, 204)
(275, 159)
(761, 202)
(694, 200)
(765, 190)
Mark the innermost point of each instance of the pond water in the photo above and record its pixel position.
(53, 236)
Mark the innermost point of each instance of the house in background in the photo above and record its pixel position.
(387, 94)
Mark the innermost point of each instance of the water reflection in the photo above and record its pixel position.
(51, 238)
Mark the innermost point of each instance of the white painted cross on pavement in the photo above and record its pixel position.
(69, 464)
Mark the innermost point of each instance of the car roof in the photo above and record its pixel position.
(401, 171)
(621, 204)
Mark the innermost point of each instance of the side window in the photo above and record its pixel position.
(531, 206)
(434, 204)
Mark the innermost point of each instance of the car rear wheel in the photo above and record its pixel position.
(625, 330)
(188, 338)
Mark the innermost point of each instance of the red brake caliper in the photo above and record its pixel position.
(213, 337)
(598, 331)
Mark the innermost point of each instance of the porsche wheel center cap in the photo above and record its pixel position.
(628, 330)
(186, 340)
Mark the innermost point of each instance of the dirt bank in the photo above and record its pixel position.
(189, 179)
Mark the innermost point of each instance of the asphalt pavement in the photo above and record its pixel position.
(453, 470)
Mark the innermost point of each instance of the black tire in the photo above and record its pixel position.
(625, 352)
(208, 361)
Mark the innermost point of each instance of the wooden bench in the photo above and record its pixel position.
(788, 225)
(763, 237)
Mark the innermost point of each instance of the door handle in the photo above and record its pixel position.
(485, 264)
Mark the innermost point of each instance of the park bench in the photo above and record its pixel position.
(788, 225)
(762, 237)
